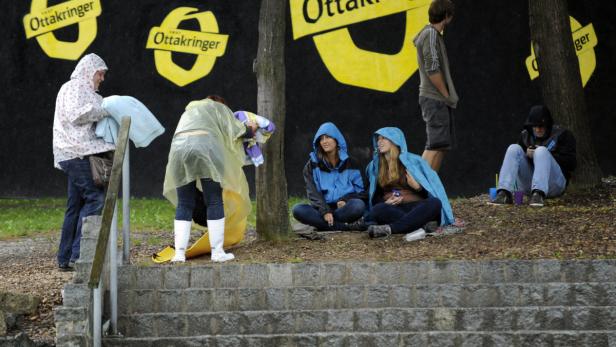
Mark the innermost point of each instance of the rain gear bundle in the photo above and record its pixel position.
(559, 141)
(77, 107)
(215, 153)
(252, 145)
(144, 127)
(328, 185)
(415, 165)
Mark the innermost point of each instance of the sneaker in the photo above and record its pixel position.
(503, 197)
(311, 235)
(536, 200)
(358, 225)
(65, 268)
(376, 231)
(307, 231)
(430, 227)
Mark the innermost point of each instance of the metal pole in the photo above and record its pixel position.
(113, 271)
(97, 320)
(126, 205)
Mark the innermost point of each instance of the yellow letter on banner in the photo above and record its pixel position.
(373, 70)
(584, 42)
(42, 21)
(175, 42)
(315, 16)
(348, 63)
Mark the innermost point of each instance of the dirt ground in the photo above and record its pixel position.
(29, 266)
(579, 225)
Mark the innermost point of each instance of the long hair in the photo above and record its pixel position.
(389, 167)
(322, 156)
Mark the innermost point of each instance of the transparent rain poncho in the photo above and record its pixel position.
(218, 155)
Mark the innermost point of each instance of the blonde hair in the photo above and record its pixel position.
(389, 170)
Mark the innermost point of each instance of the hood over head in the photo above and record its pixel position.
(330, 130)
(87, 67)
(539, 115)
(395, 135)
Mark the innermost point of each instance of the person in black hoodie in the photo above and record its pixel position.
(540, 163)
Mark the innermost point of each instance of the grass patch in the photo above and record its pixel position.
(39, 217)
(25, 218)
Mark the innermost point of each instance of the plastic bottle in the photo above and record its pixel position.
(415, 235)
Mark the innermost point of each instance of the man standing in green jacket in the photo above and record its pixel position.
(437, 94)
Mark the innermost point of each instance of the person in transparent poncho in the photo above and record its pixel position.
(206, 151)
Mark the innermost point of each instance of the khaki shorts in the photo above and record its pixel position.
(438, 116)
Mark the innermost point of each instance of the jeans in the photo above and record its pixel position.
(84, 199)
(408, 217)
(212, 195)
(521, 173)
(350, 212)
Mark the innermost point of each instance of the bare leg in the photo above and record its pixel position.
(434, 158)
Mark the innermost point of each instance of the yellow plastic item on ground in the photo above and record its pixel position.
(236, 213)
(215, 153)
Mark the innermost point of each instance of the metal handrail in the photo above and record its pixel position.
(107, 238)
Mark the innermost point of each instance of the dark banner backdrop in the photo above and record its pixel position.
(488, 43)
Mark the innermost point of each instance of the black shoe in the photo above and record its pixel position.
(536, 200)
(431, 227)
(358, 225)
(65, 268)
(503, 197)
(376, 231)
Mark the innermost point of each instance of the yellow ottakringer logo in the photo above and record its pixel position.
(327, 21)
(207, 44)
(43, 20)
(584, 41)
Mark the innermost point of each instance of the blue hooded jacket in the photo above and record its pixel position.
(328, 185)
(415, 165)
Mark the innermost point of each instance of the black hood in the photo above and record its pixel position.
(539, 115)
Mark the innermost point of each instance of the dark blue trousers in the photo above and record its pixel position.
(350, 212)
(212, 195)
(405, 218)
(84, 199)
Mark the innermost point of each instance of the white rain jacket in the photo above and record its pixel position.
(78, 107)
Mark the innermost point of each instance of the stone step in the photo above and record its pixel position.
(334, 339)
(366, 296)
(369, 320)
(236, 275)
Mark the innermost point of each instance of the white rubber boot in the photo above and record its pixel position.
(181, 229)
(216, 229)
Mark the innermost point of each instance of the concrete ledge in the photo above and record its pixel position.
(453, 338)
(438, 319)
(343, 273)
(371, 296)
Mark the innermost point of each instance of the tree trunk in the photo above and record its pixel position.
(271, 183)
(561, 84)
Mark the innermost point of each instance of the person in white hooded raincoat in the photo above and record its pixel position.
(207, 153)
(78, 108)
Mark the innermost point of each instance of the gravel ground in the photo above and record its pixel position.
(28, 266)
